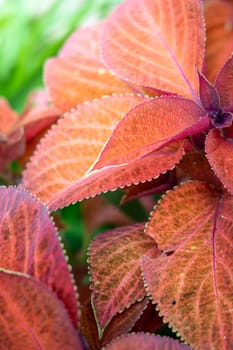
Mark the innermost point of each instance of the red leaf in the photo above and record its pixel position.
(120, 324)
(32, 317)
(88, 326)
(197, 167)
(12, 142)
(157, 44)
(224, 82)
(114, 258)
(71, 147)
(150, 321)
(8, 117)
(79, 74)
(191, 281)
(97, 212)
(29, 244)
(150, 127)
(219, 32)
(11, 148)
(219, 153)
(208, 94)
(123, 322)
(158, 185)
(142, 341)
(38, 114)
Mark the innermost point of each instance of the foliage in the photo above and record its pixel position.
(137, 102)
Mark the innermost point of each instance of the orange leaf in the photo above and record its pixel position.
(79, 73)
(157, 44)
(192, 279)
(219, 30)
(32, 317)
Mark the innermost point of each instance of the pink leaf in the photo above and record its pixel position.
(143, 341)
(219, 153)
(157, 44)
(114, 258)
(32, 317)
(79, 74)
(191, 281)
(29, 244)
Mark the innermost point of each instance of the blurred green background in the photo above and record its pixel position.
(31, 31)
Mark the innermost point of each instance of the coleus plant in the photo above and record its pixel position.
(145, 108)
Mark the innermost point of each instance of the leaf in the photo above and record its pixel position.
(197, 167)
(97, 212)
(71, 147)
(224, 83)
(143, 341)
(150, 321)
(156, 186)
(120, 324)
(8, 117)
(191, 281)
(79, 73)
(123, 322)
(219, 30)
(29, 244)
(150, 127)
(32, 317)
(12, 148)
(208, 94)
(219, 153)
(114, 258)
(88, 326)
(38, 114)
(112, 177)
(157, 44)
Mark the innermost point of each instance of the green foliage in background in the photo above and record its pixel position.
(31, 31)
